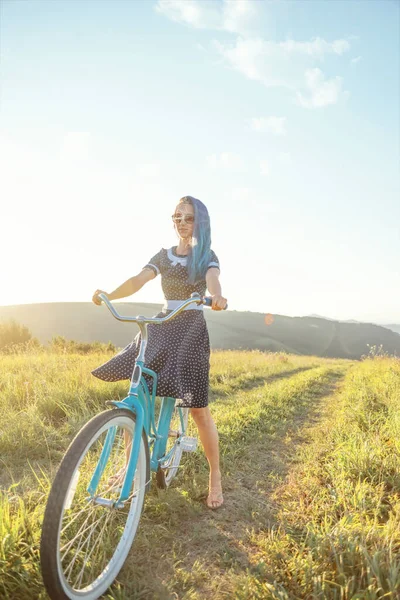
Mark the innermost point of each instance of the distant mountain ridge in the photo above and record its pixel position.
(395, 328)
(392, 327)
(312, 335)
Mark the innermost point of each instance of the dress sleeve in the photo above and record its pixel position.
(155, 263)
(214, 262)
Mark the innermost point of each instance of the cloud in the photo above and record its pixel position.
(226, 160)
(191, 12)
(276, 64)
(249, 58)
(275, 125)
(356, 60)
(234, 16)
(321, 91)
(316, 48)
(289, 64)
(239, 15)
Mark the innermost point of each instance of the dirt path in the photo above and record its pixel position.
(193, 553)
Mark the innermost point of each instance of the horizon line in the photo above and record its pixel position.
(120, 301)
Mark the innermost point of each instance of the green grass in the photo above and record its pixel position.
(310, 454)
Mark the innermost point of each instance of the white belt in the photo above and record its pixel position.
(173, 304)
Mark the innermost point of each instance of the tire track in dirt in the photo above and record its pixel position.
(200, 552)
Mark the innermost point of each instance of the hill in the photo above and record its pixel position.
(393, 327)
(85, 322)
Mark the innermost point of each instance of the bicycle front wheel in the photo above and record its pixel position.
(86, 537)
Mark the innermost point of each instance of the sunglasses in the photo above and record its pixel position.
(183, 219)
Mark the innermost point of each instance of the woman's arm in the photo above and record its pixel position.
(214, 287)
(132, 285)
(129, 287)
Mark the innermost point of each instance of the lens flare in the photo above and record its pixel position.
(268, 319)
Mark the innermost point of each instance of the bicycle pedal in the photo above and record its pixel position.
(188, 444)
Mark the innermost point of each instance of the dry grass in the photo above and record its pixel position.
(310, 455)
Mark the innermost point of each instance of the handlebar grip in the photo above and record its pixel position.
(207, 301)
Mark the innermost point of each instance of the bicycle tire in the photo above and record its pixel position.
(54, 578)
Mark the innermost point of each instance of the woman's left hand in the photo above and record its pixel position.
(218, 302)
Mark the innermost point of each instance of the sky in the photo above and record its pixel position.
(282, 117)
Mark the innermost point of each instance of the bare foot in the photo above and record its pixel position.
(215, 498)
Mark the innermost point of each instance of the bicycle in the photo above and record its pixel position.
(96, 499)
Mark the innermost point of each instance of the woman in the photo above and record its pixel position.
(179, 350)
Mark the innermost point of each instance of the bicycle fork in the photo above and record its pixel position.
(134, 403)
(136, 407)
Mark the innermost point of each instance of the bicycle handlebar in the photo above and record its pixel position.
(207, 301)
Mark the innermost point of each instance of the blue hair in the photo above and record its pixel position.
(199, 256)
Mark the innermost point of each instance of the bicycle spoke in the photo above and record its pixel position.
(89, 507)
(79, 533)
(90, 531)
(86, 539)
(99, 538)
(82, 543)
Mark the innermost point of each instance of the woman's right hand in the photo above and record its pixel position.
(96, 298)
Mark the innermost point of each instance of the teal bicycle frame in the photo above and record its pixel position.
(142, 404)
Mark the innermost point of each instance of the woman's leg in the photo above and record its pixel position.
(209, 438)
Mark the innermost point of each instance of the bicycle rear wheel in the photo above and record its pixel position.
(86, 537)
(168, 468)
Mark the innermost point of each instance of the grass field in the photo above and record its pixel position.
(310, 452)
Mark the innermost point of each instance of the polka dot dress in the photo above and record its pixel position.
(179, 350)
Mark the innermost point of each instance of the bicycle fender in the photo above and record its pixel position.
(119, 404)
